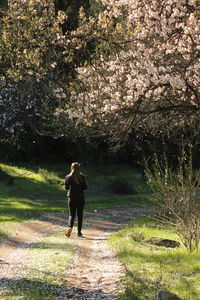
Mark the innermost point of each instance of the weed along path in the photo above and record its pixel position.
(95, 272)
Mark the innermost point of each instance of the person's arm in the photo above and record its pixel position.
(67, 182)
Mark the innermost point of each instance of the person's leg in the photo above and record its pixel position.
(80, 208)
(72, 212)
(72, 215)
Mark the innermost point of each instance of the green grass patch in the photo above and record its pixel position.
(150, 268)
(29, 197)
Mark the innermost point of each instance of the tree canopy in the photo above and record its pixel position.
(149, 77)
(119, 66)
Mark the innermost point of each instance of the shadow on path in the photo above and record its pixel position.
(33, 289)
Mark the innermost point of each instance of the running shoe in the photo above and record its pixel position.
(68, 233)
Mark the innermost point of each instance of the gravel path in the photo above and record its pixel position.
(96, 272)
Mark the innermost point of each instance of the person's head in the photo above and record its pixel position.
(75, 167)
(75, 172)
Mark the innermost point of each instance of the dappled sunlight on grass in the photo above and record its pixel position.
(26, 289)
(21, 203)
(7, 227)
(29, 197)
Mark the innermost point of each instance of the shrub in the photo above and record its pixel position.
(177, 195)
(120, 185)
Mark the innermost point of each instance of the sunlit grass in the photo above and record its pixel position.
(22, 172)
(150, 268)
(29, 197)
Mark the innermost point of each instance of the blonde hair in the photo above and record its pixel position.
(75, 172)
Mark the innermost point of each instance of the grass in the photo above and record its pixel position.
(150, 268)
(30, 197)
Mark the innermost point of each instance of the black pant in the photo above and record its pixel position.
(76, 206)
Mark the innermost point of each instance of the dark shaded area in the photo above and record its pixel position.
(6, 178)
(36, 148)
(3, 4)
(72, 9)
(120, 185)
(164, 242)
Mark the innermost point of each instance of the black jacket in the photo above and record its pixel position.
(75, 190)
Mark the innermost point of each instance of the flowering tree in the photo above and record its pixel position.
(126, 65)
(146, 72)
(38, 57)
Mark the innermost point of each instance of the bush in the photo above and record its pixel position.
(177, 195)
(120, 185)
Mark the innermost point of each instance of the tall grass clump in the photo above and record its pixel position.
(177, 192)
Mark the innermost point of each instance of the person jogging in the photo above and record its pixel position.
(76, 185)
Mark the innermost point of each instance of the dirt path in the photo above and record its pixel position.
(95, 273)
(26, 234)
